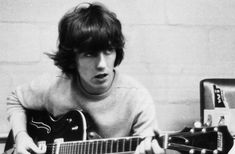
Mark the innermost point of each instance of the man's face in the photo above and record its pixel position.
(96, 70)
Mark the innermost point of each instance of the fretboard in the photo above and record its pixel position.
(100, 146)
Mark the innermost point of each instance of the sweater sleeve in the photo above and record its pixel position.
(16, 113)
(27, 96)
(145, 121)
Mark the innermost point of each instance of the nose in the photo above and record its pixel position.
(101, 61)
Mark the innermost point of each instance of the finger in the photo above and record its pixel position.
(147, 145)
(21, 152)
(156, 148)
(36, 149)
(137, 150)
(140, 148)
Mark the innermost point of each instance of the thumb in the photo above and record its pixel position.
(156, 148)
(38, 149)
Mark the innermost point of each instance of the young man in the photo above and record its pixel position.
(90, 48)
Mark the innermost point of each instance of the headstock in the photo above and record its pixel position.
(206, 140)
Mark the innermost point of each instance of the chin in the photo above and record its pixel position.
(102, 88)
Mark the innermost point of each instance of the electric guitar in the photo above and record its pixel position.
(70, 134)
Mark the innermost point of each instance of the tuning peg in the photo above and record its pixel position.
(191, 151)
(203, 151)
(204, 130)
(192, 130)
(215, 152)
(216, 129)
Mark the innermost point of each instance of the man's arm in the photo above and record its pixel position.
(146, 125)
(17, 117)
(16, 114)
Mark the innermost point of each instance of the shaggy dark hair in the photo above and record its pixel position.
(89, 27)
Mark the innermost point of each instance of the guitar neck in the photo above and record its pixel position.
(100, 146)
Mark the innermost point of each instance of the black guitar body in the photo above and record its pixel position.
(43, 127)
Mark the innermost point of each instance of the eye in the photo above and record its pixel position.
(88, 55)
(108, 52)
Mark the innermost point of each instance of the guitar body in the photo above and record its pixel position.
(43, 127)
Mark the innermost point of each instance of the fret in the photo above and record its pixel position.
(127, 144)
(114, 145)
(130, 140)
(123, 145)
(117, 145)
(109, 146)
(91, 147)
(99, 149)
(120, 145)
(104, 147)
(88, 147)
(134, 143)
(95, 147)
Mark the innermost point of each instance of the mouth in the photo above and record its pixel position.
(101, 76)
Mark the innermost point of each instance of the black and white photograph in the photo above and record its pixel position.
(117, 76)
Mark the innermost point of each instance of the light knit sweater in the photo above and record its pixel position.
(126, 109)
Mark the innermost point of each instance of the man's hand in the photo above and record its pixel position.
(25, 144)
(149, 146)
